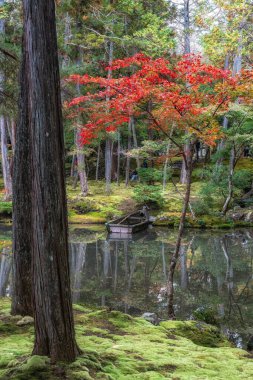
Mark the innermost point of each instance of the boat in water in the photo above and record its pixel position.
(127, 225)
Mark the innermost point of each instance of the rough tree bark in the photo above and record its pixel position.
(22, 230)
(54, 326)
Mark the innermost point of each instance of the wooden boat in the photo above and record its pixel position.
(129, 224)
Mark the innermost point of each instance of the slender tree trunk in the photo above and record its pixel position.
(5, 268)
(5, 160)
(108, 143)
(167, 160)
(78, 270)
(128, 149)
(3, 128)
(73, 162)
(173, 263)
(98, 162)
(221, 144)
(54, 325)
(230, 181)
(81, 165)
(135, 142)
(67, 36)
(186, 21)
(187, 50)
(108, 164)
(164, 263)
(80, 155)
(22, 221)
(118, 160)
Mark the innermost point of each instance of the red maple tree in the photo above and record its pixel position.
(187, 94)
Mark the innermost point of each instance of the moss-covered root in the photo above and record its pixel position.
(117, 346)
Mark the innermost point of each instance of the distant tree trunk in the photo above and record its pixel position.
(128, 149)
(11, 126)
(98, 161)
(67, 36)
(187, 50)
(3, 128)
(22, 219)
(5, 159)
(5, 268)
(165, 168)
(174, 259)
(73, 162)
(108, 164)
(81, 165)
(237, 66)
(118, 160)
(78, 270)
(54, 326)
(232, 162)
(109, 143)
(225, 120)
(186, 23)
(80, 157)
(135, 141)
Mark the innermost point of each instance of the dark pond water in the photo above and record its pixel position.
(215, 272)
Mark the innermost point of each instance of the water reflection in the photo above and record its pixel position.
(214, 271)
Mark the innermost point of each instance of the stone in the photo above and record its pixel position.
(151, 317)
(25, 321)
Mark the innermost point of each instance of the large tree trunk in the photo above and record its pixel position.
(22, 228)
(54, 326)
(174, 259)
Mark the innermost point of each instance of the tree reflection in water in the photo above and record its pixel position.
(214, 271)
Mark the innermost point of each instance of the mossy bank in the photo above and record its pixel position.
(97, 208)
(117, 346)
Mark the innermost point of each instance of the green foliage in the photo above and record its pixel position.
(149, 175)
(6, 208)
(242, 179)
(206, 314)
(149, 195)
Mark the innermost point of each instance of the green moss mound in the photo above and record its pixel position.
(117, 346)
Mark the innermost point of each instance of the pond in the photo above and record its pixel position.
(214, 276)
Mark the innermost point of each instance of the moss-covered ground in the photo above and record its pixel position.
(117, 346)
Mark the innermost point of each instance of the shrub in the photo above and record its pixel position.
(149, 194)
